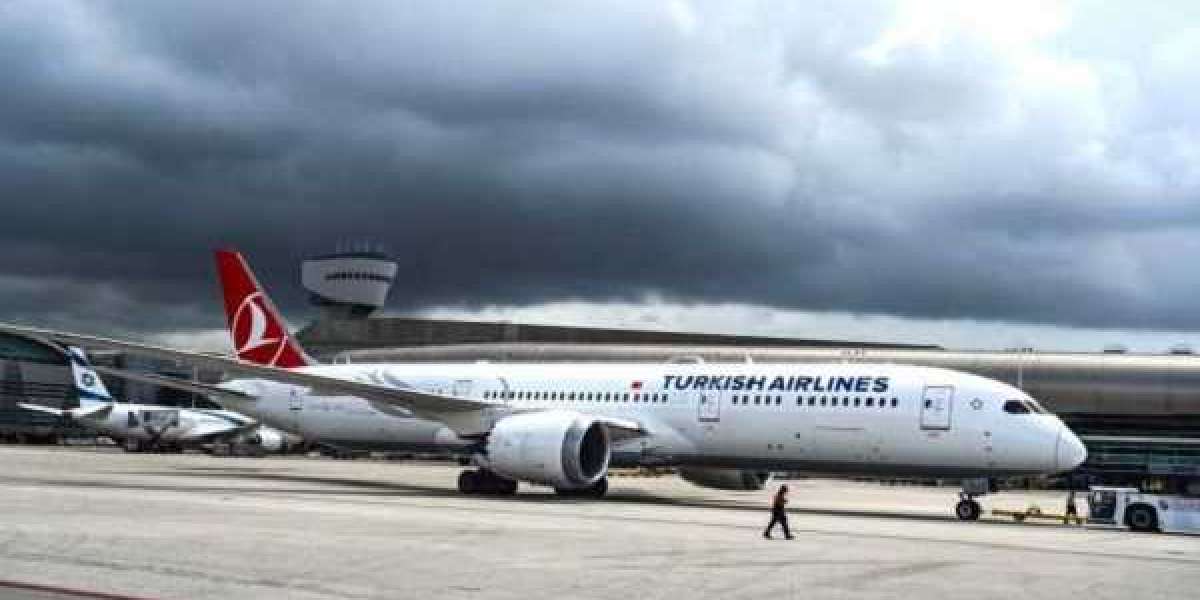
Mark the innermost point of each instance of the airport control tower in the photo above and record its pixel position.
(351, 283)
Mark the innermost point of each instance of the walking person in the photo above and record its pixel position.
(779, 513)
(1072, 511)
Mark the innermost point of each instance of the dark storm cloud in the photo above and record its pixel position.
(870, 158)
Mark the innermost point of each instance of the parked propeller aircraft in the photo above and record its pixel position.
(565, 424)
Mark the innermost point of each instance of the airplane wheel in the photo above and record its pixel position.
(596, 490)
(468, 482)
(491, 483)
(599, 488)
(968, 510)
(132, 445)
(507, 487)
(1141, 518)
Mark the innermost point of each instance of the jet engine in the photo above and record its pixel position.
(725, 479)
(268, 439)
(566, 450)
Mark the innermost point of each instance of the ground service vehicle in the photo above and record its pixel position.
(1139, 511)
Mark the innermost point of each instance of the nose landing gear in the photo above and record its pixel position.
(967, 508)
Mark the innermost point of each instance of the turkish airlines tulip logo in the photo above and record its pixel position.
(252, 331)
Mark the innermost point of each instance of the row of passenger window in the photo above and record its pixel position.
(847, 401)
(577, 396)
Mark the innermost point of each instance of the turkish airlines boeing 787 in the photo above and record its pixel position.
(563, 425)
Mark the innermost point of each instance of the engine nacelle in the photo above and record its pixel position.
(562, 449)
(725, 479)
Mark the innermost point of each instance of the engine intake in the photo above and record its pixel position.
(562, 449)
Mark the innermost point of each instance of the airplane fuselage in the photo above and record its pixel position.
(842, 418)
(164, 424)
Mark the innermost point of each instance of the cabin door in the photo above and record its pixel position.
(708, 406)
(462, 388)
(937, 405)
(295, 412)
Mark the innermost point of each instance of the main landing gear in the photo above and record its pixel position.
(484, 481)
(596, 490)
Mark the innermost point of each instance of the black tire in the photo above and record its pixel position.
(599, 488)
(596, 490)
(488, 483)
(468, 482)
(1141, 517)
(968, 510)
(507, 487)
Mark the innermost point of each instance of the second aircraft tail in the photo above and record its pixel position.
(94, 399)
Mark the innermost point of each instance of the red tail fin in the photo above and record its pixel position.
(259, 335)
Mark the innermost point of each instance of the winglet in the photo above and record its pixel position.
(259, 334)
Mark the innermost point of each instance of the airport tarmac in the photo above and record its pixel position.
(195, 526)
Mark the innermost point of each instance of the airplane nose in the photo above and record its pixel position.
(1071, 452)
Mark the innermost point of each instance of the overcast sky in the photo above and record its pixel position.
(1023, 173)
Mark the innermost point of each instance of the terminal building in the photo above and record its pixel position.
(31, 372)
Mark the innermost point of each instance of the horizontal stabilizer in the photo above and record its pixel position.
(43, 409)
(90, 412)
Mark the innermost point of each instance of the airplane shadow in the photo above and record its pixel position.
(316, 486)
(334, 486)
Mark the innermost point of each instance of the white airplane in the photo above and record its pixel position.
(147, 426)
(563, 425)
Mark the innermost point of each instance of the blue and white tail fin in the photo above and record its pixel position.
(88, 384)
(94, 399)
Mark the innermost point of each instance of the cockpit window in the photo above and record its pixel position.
(1016, 407)
(1035, 407)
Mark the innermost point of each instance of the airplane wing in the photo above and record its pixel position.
(375, 387)
(623, 428)
(175, 383)
(226, 430)
(219, 431)
(422, 403)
